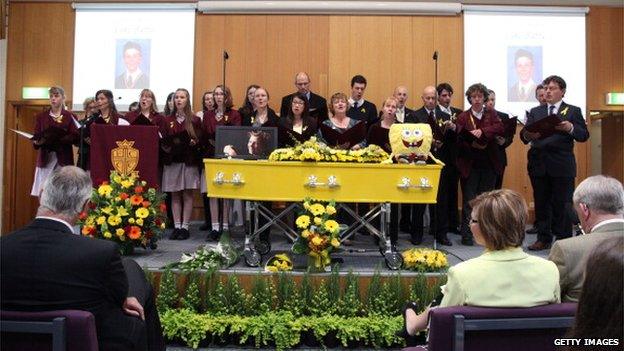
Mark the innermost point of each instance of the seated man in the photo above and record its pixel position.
(45, 267)
(599, 203)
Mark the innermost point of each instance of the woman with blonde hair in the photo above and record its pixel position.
(504, 275)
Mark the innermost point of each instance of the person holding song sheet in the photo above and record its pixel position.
(339, 130)
(551, 161)
(222, 115)
(208, 104)
(147, 114)
(55, 131)
(504, 140)
(182, 159)
(106, 114)
(477, 158)
(378, 134)
(297, 126)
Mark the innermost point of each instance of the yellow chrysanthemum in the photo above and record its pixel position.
(332, 226)
(330, 210)
(105, 190)
(142, 212)
(114, 220)
(335, 242)
(108, 235)
(305, 233)
(317, 240)
(303, 221)
(100, 220)
(131, 220)
(317, 209)
(119, 232)
(318, 220)
(139, 222)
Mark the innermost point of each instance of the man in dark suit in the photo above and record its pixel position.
(317, 104)
(551, 163)
(360, 109)
(430, 112)
(450, 175)
(44, 267)
(133, 77)
(502, 141)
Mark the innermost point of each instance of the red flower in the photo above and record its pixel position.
(138, 189)
(158, 222)
(146, 204)
(136, 199)
(135, 232)
(82, 216)
(149, 234)
(163, 207)
(92, 205)
(123, 196)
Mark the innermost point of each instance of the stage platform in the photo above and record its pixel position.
(362, 257)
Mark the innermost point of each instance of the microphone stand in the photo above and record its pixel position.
(83, 125)
(435, 58)
(225, 58)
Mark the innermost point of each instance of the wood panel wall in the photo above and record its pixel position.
(269, 50)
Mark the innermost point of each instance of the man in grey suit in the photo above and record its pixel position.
(599, 203)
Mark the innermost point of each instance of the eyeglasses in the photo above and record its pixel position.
(472, 220)
(298, 102)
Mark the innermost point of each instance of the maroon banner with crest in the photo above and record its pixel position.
(126, 149)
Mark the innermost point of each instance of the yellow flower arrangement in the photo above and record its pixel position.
(279, 263)
(319, 233)
(424, 260)
(315, 151)
(124, 210)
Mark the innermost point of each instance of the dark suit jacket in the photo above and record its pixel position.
(447, 153)
(317, 107)
(554, 155)
(502, 154)
(367, 113)
(45, 267)
(142, 82)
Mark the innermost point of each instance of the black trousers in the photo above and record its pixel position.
(553, 195)
(119, 331)
(444, 214)
(479, 181)
(499, 180)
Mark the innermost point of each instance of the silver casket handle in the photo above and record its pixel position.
(406, 183)
(332, 182)
(237, 179)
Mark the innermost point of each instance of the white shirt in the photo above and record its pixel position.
(557, 106)
(446, 110)
(479, 114)
(71, 229)
(614, 220)
(400, 114)
(358, 103)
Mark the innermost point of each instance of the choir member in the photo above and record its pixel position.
(297, 125)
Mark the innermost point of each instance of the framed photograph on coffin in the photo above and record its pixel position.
(253, 143)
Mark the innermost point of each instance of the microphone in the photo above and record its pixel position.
(435, 55)
(225, 55)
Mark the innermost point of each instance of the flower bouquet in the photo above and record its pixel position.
(209, 257)
(313, 150)
(424, 260)
(123, 210)
(319, 233)
(279, 263)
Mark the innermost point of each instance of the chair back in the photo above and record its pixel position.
(464, 328)
(70, 330)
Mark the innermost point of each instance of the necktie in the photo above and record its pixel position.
(551, 110)
(431, 115)
(129, 82)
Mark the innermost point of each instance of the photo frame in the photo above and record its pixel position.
(251, 143)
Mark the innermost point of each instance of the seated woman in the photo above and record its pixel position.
(504, 275)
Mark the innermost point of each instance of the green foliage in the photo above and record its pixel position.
(216, 299)
(306, 292)
(321, 305)
(261, 296)
(287, 296)
(192, 297)
(350, 304)
(236, 297)
(168, 292)
(374, 289)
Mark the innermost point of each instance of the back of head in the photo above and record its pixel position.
(65, 192)
(501, 215)
(600, 310)
(602, 194)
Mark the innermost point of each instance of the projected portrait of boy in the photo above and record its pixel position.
(257, 145)
(522, 88)
(133, 76)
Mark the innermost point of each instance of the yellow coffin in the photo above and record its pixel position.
(343, 182)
